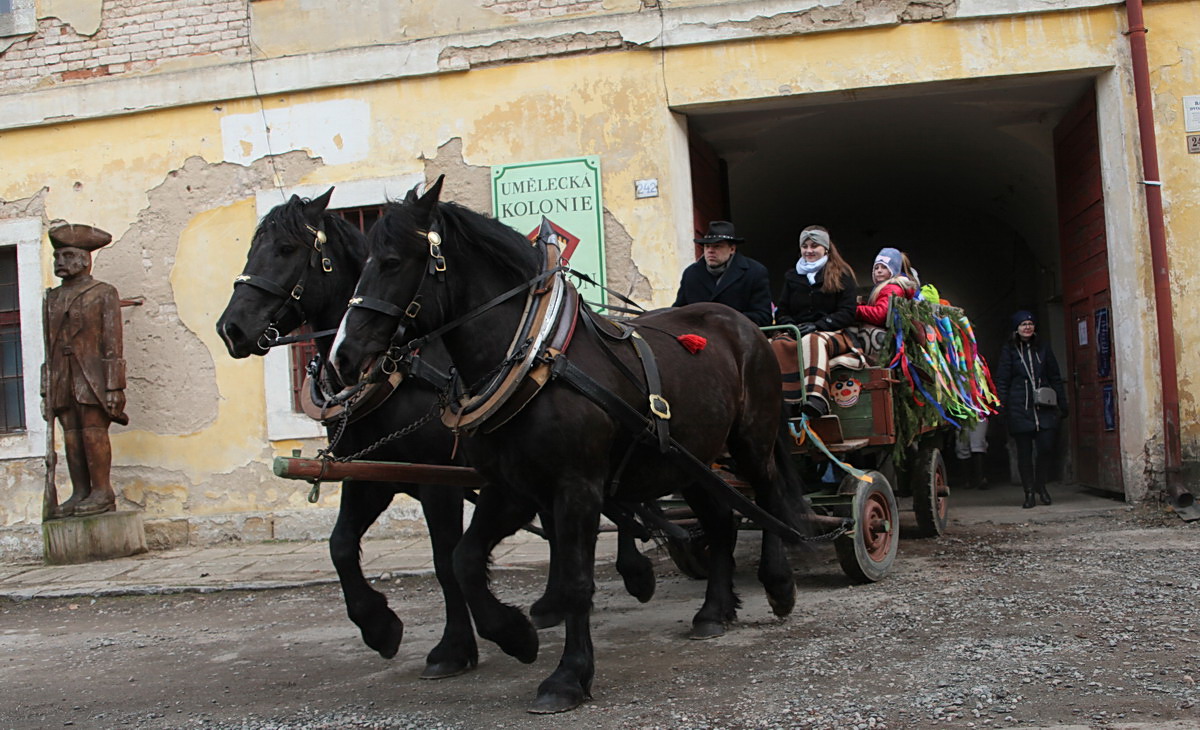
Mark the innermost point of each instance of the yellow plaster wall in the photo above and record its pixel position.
(1174, 56)
(877, 57)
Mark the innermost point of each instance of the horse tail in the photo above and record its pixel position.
(795, 507)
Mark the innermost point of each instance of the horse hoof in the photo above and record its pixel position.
(445, 670)
(522, 648)
(548, 703)
(387, 641)
(783, 605)
(546, 619)
(641, 586)
(707, 630)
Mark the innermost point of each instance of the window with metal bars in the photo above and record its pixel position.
(302, 352)
(12, 377)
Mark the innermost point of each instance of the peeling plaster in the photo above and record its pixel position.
(468, 185)
(172, 379)
(82, 15)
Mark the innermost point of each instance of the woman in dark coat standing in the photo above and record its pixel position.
(1025, 365)
(818, 297)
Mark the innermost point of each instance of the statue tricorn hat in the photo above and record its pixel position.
(69, 235)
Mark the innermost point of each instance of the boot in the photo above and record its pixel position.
(815, 407)
(1029, 503)
(978, 480)
(1043, 495)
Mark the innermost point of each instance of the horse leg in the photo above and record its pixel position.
(720, 602)
(774, 570)
(637, 570)
(765, 473)
(496, 517)
(361, 504)
(456, 652)
(577, 522)
(547, 611)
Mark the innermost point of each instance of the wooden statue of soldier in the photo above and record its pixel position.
(83, 378)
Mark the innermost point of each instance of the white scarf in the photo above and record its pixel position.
(804, 268)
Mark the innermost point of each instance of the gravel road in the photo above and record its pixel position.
(1082, 623)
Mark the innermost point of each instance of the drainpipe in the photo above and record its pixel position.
(1179, 496)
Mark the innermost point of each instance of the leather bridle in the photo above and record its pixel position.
(435, 266)
(290, 300)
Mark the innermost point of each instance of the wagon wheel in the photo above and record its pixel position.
(690, 555)
(868, 551)
(931, 492)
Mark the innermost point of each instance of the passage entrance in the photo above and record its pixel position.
(961, 176)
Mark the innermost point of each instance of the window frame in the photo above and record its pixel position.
(282, 422)
(26, 235)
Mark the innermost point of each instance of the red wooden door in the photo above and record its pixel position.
(1090, 369)
(710, 199)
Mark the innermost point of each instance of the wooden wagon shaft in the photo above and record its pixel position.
(290, 467)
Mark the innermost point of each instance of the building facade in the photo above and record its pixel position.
(996, 141)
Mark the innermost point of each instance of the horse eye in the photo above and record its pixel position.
(287, 250)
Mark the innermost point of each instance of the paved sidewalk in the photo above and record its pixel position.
(250, 566)
(254, 566)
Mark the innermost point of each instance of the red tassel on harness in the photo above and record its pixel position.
(693, 343)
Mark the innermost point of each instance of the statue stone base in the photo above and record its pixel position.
(95, 537)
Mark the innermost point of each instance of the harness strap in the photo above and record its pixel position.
(660, 409)
(629, 418)
(289, 339)
(376, 305)
(534, 282)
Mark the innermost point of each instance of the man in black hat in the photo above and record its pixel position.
(727, 277)
(83, 379)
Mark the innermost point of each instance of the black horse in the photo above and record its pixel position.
(286, 252)
(293, 246)
(439, 269)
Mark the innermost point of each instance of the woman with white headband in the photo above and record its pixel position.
(818, 298)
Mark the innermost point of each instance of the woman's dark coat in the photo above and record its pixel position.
(744, 286)
(1016, 391)
(801, 302)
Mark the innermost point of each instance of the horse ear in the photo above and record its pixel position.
(315, 207)
(430, 198)
(411, 195)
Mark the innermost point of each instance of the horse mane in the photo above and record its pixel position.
(288, 218)
(476, 234)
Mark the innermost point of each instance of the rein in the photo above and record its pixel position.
(291, 300)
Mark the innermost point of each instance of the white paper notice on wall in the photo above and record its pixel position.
(1191, 113)
(1083, 332)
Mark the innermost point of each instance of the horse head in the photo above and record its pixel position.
(404, 250)
(289, 273)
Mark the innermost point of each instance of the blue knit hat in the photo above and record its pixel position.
(1020, 316)
(890, 258)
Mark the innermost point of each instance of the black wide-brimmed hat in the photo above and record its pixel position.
(69, 235)
(719, 232)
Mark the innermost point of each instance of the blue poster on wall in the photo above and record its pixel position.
(1110, 408)
(1103, 344)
